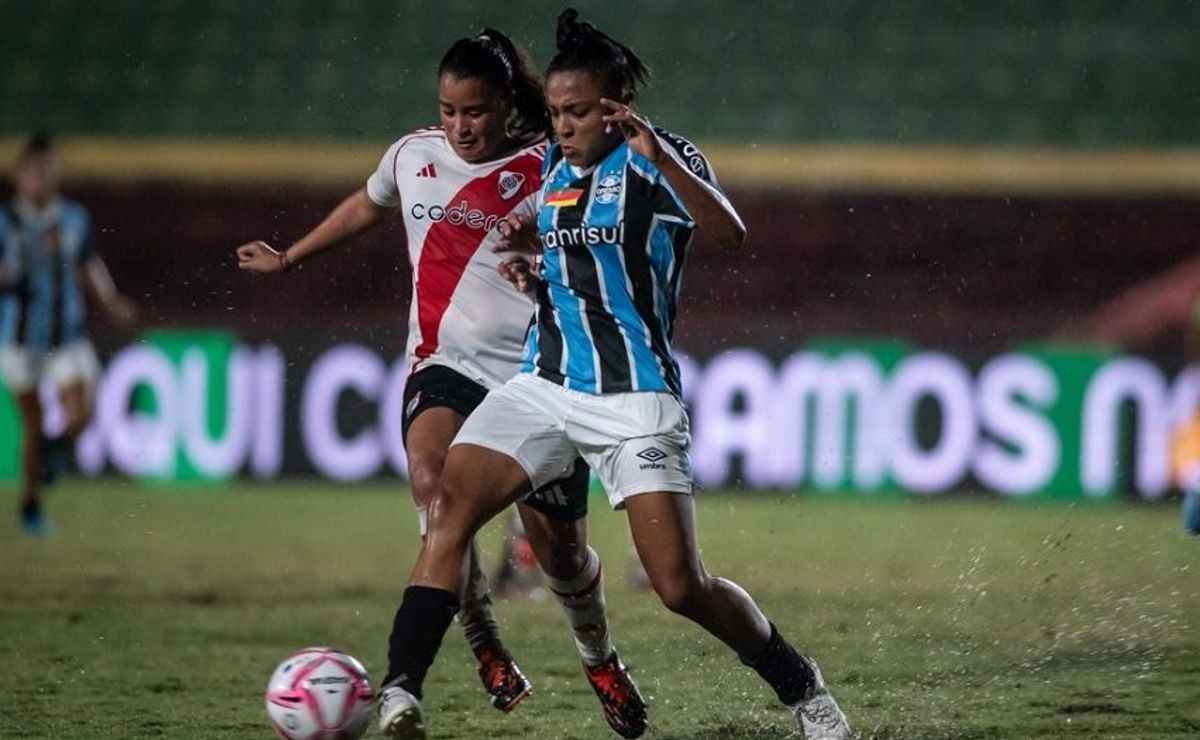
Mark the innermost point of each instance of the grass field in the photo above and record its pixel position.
(160, 613)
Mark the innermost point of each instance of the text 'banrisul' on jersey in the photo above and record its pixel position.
(614, 239)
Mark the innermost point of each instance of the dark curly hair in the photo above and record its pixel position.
(582, 46)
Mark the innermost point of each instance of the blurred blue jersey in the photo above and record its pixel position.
(41, 300)
(614, 239)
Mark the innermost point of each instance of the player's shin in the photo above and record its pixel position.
(582, 600)
(476, 615)
(782, 668)
(417, 631)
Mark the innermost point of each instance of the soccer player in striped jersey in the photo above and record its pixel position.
(46, 262)
(619, 203)
(454, 183)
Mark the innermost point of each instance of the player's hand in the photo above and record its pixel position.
(634, 127)
(519, 271)
(518, 235)
(123, 310)
(258, 256)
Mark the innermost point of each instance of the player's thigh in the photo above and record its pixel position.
(663, 526)
(428, 443)
(636, 442)
(522, 421)
(29, 408)
(555, 520)
(437, 400)
(477, 483)
(74, 398)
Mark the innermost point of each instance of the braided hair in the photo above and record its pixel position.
(492, 57)
(582, 46)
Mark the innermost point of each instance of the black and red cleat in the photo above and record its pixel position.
(623, 705)
(502, 679)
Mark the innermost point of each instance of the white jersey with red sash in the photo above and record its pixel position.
(463, 315)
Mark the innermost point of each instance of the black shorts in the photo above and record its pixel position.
(437, 386)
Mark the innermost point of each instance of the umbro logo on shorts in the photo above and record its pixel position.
(653, 457)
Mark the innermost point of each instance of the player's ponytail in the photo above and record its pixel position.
(582, 46)
(493, 57)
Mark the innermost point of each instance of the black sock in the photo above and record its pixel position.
(784, 669)
(421, 622)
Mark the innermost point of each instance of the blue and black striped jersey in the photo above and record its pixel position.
(41, 301)
(614, 239)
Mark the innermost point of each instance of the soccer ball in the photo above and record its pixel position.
(320, 694)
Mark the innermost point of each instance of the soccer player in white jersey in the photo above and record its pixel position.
(47, 260)
(619, 203)
(454, 184)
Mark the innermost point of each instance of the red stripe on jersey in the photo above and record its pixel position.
(449, 247)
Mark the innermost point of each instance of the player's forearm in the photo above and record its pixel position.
(99, 281)
(714, 214)
(353, 216)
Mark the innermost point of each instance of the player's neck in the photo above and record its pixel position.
(36, 207)
(507, 149)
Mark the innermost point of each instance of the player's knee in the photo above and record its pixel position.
(424, 477)
(452, 508)
(561, 560)
(682, 594)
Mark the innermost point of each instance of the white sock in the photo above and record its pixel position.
(582, 600)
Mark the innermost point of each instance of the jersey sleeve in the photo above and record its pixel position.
(688, 155)
(381, 185)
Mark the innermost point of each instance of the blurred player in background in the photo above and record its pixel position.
(46, 261)
(454, 183)
(1185, 441)
(619, 204)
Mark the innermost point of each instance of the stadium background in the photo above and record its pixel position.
(971, 261)
(927, 185)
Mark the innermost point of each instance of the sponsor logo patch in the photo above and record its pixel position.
(653, 457)
(509, 184)
(608, 190)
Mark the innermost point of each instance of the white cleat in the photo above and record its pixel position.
(400, 715)
(818, 713)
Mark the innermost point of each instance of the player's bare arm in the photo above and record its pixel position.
(100, 283)
(714, 214)
(353, 216)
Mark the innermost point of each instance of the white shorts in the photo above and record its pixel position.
(635, 442)
(22, 369)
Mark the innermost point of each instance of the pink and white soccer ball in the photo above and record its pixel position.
(320, 694)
